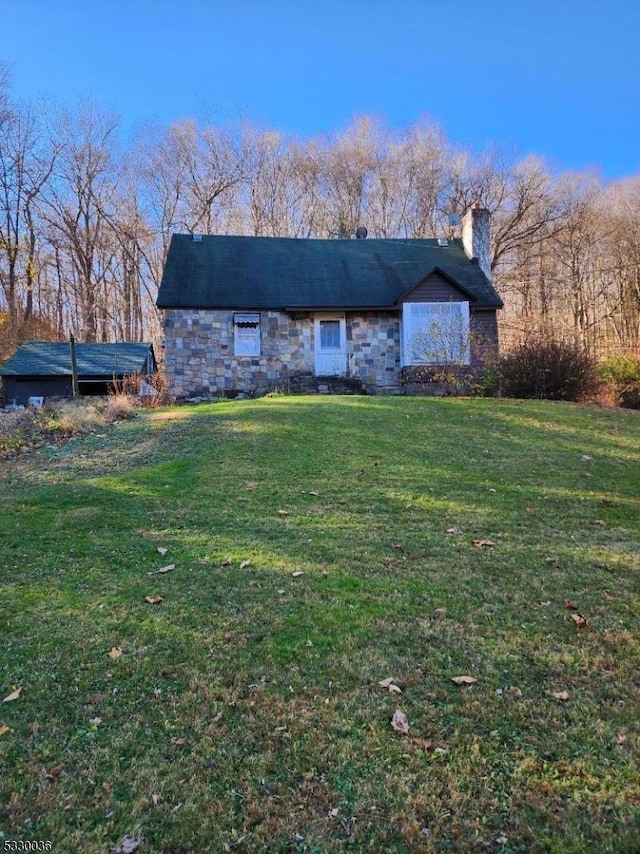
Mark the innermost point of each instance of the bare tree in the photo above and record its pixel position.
(281, 187)
(78, 206)
(27, 158)
(346, 170)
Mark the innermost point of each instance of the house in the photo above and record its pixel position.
(43, 368)
(254, 314)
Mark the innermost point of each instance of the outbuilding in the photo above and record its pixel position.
(44, 369)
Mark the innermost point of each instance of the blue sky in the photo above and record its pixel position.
(560, 79)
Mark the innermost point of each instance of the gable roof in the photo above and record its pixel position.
(48, 359)
(217, 271)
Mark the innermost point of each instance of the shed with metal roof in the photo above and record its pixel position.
(44, 368)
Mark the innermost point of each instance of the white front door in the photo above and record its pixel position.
(330, 336)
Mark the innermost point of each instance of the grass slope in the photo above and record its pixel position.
(243, 711)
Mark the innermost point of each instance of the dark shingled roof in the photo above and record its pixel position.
(48, 359)
(284, 273)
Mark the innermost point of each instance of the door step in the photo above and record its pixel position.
(308, 383)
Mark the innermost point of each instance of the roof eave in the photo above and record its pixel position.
(291, 309)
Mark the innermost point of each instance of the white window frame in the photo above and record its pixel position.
(435, 333)
(246, 334)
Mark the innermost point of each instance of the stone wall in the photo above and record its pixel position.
(200, 359)
(373, 350)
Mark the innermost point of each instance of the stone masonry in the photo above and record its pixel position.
(200, 359)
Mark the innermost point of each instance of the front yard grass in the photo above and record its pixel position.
(321, 545)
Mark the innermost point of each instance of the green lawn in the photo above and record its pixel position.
(322, 545)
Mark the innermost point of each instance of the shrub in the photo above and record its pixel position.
(149, 392)
(74, 416)
(119, 407)
(18, 428)
(447, 380)
(622, 375)
(548, 370)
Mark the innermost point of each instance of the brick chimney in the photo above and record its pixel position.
(476, 231)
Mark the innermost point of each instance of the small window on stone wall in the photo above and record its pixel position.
(246, 334)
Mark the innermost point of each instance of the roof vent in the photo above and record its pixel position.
(197, 238)
(442, 241)
(361, 232)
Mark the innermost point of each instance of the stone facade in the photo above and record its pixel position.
(373, 350)
(200, 359)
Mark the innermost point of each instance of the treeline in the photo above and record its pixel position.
(85, 219)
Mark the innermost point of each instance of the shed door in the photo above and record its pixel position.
(330, 345)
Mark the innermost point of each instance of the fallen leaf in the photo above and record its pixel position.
(156, 799)
(252, 485)
(54, 774)
(179, 742)
(115, 652)
(480, 544)
(579, 620)
(162, 550)
(390, 685)
(440, 750)
(399, 722)
(128, 845)
(229, 636)
(4, 729)
(297, 574)
(13, 696)
(502, 839)
(153, 600)
(463, 680)
(601, 522)
(334, 812)
(561, 695)
(570, 605)
(217, 718)
(283, 512)
(95, 721)
(513, 691)
(169, 568)
(440, 612)
(245, 564)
